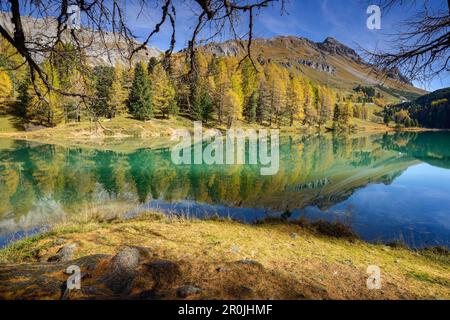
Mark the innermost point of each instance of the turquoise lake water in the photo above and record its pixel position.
(386, 186)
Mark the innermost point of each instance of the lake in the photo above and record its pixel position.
(388, 187)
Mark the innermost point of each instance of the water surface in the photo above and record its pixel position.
(386, 186)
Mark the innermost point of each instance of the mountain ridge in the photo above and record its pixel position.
(329, 62)
(105, 49)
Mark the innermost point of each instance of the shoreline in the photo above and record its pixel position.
(126, 135)
(224, 259)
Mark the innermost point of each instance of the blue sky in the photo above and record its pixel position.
(344, 20)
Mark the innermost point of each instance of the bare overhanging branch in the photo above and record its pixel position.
(421, 50)
(106, 19)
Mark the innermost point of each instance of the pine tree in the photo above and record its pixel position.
(341, 115)
(104, 78)
(223, 84)
(151, 65)
(163, 92)
(6, 88)
(295, 100)
(64, 60)
(249, 79)
(45, 109)
(195, 96)
(196, 101)
(263, 102)
(10, 59)
(325, 105)
(236, 86)
(206, 107)
(336, 114)
(365, 112)
(357, 111)
(140, 100)
(310, 110)
(251, 107)
(232, 110)
(277, 82)
(249, 90)
(345, 113)
(260, 110)
(24, 98)
(118, 94)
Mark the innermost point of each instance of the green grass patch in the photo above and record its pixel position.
(424, 277)
(23, 250)
(9, 124)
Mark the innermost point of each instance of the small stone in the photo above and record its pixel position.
(126, 258)
(152, 295)
(250, 262)
(240, 292)
(186, 291)
(235, 249)
(164, 272)
(64, 254)
(347, 262)
(59, 242)
(122, 270)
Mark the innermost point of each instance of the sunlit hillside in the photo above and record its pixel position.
(329, 63)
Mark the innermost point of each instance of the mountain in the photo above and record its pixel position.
(431, 110)
(329, 63)
(101, 49)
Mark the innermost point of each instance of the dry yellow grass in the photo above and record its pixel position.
(307, 264)
(121, 134)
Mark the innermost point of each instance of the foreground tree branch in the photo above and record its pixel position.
(101, 17)
(421, 50)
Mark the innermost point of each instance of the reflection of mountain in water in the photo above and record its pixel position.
(38, 182)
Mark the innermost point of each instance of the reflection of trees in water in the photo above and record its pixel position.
(73, 176)
(429, 147)
(310, 185)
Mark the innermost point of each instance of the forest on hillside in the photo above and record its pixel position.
(430, 111)
(222, 90)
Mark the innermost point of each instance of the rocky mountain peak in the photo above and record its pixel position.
(332, 46)
(395, 74)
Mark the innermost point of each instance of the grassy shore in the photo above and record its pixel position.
(271, 260)
(125, 134)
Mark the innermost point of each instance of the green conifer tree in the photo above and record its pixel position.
(207, 107)
(139, 101)
(250, 108)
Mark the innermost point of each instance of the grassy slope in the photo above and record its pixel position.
(304, 263)
(125, 134)
(8, 124)
(121, 133)
(349, 73)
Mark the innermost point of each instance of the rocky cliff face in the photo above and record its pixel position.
(106, 49)
(397, 75)
(332, 46)
(322, 67)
